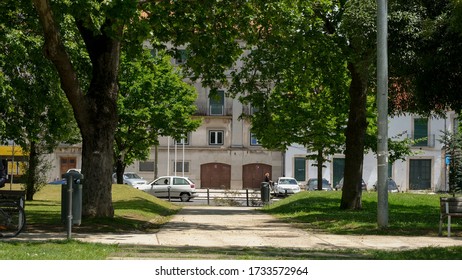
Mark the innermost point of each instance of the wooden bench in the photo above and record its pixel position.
(449, 207)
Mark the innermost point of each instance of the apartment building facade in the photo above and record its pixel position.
(425, 170)
(220, 154)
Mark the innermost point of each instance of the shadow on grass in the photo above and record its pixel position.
(409, 214)
(262, 253)
(136, 214)
(242, 253)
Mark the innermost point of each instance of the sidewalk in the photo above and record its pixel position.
(207, 226)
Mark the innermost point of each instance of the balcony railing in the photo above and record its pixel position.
(419, 141)
(214, 110)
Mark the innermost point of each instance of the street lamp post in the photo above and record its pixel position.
(382, 118)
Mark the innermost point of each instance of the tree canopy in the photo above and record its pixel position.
(426, 56)
(153, 101)
(97, 30)
(35, 113)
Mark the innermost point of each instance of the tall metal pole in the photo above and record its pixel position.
(12, 167)
(70, 182)
(382, 118)
(168, 156)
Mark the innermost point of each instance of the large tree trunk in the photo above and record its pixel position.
(355, 134)
(99, 122)
(320, 162)
(95, 111)
(97, 162)
(120, 170)
(31, 173)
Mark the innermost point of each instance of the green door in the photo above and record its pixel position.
(420, 174)
(300, 169)
(339, 166)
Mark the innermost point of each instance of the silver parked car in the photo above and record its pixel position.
(312, 185)
(131, 178)
(392, 187)
(339, 186)
(173, 187)
(286, 186)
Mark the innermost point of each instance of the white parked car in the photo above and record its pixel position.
(131, 178)
(171, 187)
(286, 186)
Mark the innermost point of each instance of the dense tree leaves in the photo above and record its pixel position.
(426, 56)
(207, 29)
(153, 101)
(34, 112)
(306, 61)
(452, 142)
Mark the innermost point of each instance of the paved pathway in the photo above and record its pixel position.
(244, 227)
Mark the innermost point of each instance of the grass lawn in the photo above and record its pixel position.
(134, 210)
(409, 214)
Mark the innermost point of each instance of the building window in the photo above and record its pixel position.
(146, 166)
(253, 110)
(217, 103)
(181, 56)
(216, 137)
(420, 132)
(179, 166)
(254, 140)
(184, 141)
(300, 168)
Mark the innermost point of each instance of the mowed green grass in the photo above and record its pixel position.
(408, 214)
(135, 211)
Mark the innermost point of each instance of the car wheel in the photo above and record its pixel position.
(184, 197)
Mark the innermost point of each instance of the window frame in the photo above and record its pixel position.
(253, 140)
(180, 142)
(143, 166)
(417, 133)
(216, 137)
(217, 101)
(179, 166)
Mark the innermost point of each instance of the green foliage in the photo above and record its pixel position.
(153, 101)
(210, 31)
(452, 143)
(294, 77)
(426, 56)
(34, 108)
(34, 111)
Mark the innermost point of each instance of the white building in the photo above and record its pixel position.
(424, 170)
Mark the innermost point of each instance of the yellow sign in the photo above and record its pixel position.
(8, 151)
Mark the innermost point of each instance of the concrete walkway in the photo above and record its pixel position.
(206, 226)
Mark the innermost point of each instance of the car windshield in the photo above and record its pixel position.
(315, 181)
(288, 181)
(132, 176)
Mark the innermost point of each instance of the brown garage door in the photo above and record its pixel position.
(67, 163)
(215, 176)
(253, 174)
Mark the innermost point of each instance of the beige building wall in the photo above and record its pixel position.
(236, 150)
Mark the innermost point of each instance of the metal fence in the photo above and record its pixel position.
(248, 198)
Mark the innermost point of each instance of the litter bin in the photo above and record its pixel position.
(76, 179)
(265, 192)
